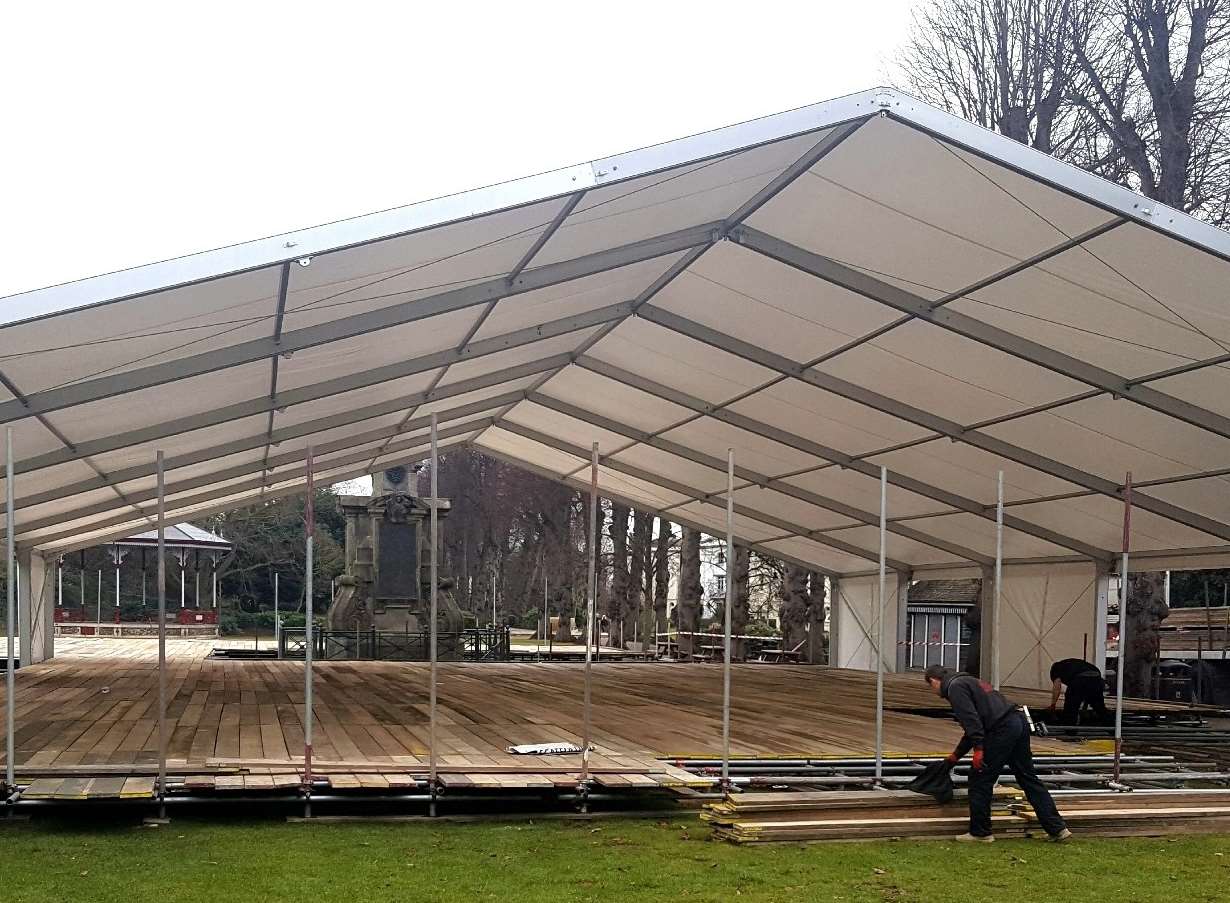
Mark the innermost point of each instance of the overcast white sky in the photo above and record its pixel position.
(141, 131)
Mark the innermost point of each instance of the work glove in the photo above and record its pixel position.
(977, 761)
(952, 758)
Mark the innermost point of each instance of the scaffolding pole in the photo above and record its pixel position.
(999, 580)
(10, 574)
(162, 637)
(310, 530)
(546, 626)
(879, 641)
(435, 529)
(277, 620)
(1123, 619)
(591, 592)
(730, 601)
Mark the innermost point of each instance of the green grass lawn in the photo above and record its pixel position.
(625, 860)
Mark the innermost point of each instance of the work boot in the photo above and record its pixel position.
(1062, 837)
(974, 838)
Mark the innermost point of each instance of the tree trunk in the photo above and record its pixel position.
(817, 642)
(690, 592)
(793, 611)
(638, 603)
(661, 574)
(740, 611)
(617, 605)
(1146, 609)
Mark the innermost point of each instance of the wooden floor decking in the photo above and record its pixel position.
(91, 708)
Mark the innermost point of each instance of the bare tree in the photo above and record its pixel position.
(620, 578)
(1005, 64)
(637, 605)
(740, 574)
(691, 592)
(1155, 77)
(662, 572)
(1146, 609)
(793, 611)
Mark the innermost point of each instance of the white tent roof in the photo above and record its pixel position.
(863, 282)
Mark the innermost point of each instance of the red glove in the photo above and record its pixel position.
(977, 758)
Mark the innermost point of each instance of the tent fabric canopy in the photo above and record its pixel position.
(868, 281)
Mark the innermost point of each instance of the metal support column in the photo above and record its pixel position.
(546, 615)
(591, 592)
(1123, 619)
(10, 622)
(59, 581)
(310, 530)
(879, 632)
(999, 580)
(730, 601)
(435, 537)
(277, 619)
(162, 639)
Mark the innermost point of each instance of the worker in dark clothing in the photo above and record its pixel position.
(997, 732)
(1085, 687)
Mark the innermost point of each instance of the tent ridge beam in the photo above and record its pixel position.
(864, 518)
(918, 417)
(958, 503)
(392, 315)
(969, 327)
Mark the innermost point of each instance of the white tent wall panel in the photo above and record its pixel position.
(1109, 437)
(791, 313)
(367, 352)
(481, 366)
(828, 419)
(400, 269)
(113, 338)
(1048, 613)
(677, 361)
(608, 398)
(855, 612)
(662, 202)
(569, 299)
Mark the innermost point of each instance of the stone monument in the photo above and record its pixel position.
(387, 584)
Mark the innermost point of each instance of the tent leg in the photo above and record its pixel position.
(162, 640)
(435, 537)
(730, 596)
(1123, 619)
(308, 573)
(999, 580)
(879, 632)
(10, 622)
(591, 592)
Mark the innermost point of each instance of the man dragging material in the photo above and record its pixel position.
(998, 733)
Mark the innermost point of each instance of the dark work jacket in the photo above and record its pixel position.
(976, 706)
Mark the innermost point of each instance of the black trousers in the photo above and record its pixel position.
(1007, 745)
(1083, 691)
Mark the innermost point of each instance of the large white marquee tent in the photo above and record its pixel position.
(864, 282)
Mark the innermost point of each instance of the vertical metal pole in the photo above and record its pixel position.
(435, 536)
(310, 530)
(117, 581)
(98, 603)
(213, 575)
(730, 601)
(999, 580)
(10, 616)
(493, 620)
(591, 591)
(879, 643)
(546, 627)
(162, 639)
(1123, 619)
(60, 581)
(277, 620)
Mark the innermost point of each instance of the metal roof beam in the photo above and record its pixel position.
(959, 503)
(302, 394)
(1040, 355)
(708, 498)
(927, 420)
(753, 478)
(363, 323)
(583, 485)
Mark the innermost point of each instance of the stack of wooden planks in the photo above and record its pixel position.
(1141, 813)
(834, 815)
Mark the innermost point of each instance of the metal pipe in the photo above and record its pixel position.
(10, 579)
(730, 596)
(435, 537)
(591, 593)
(546, 625)
(879, 641)
(277, 620)
(59, 581)
(162, 635)
(999, 579)
(310, 530)
(1123, 619)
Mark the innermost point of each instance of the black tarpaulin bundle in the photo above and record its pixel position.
(935, 780)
